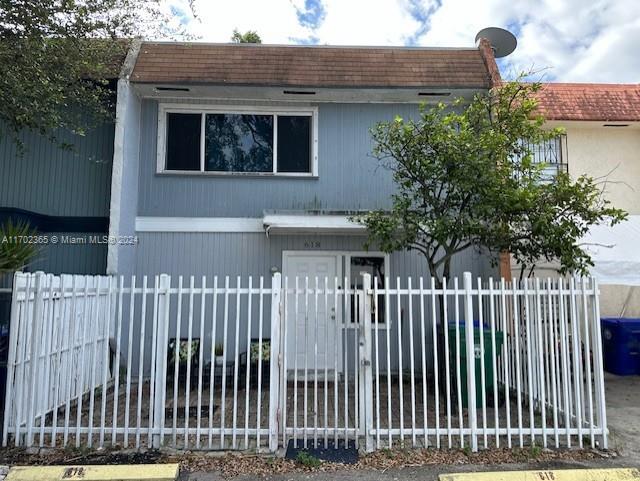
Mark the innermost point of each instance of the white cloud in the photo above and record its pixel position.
(575, 40)
(275, 20)
(366, 22)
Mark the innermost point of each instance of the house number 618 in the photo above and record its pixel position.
(311, 244)
(546, 475)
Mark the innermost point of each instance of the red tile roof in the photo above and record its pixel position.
(592, 102)
(310, 66)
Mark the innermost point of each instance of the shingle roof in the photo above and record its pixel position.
(593, 102)
(309, 66)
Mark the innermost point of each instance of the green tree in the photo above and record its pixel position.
(250, 36)
(466, 178)
(56, 57)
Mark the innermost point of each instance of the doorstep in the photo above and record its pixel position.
(631, 474)
(138, 472)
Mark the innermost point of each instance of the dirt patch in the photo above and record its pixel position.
(44, 457)
(230, 465)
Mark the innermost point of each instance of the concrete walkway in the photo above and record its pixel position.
(623, 415)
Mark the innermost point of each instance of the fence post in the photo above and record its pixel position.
(365, 376)
(160, 390)
(598, 365)
(471, 359)
(18, 281)
(275, 362)
(36, 328)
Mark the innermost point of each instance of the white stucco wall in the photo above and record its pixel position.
(612, 153)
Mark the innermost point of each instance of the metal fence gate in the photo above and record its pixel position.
(322, 384)
(232, 363)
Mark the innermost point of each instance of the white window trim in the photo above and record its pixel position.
(164, 108)
(199, 224)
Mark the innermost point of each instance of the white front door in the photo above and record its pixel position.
(313, 325)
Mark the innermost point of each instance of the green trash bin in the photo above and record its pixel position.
(488, 362)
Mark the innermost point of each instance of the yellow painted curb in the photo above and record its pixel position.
(138, 472)
(549, 475)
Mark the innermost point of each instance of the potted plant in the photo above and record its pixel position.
(185, 354)
(260, 351)
(219, 351)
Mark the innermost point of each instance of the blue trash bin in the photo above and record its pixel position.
(621, 346)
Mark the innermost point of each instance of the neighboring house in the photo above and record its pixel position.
(61, 192)
(246, 160)
(63, 189)
(602, 123)
(64, 195)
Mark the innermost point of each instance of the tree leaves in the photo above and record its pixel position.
(250, 36)
(57, 58)
(466, 177)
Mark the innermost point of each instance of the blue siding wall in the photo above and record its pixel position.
(348, 177)
(49, 180)
(46, 179)
(236, 254)
(254, 254)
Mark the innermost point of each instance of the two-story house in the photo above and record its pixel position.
(602, 123)
(247, 159)
(236, 172)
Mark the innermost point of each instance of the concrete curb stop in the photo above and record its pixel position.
(631, 474)
(139, 472)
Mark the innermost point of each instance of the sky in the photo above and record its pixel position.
(559, 40)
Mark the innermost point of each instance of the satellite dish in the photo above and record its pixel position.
(502, 41)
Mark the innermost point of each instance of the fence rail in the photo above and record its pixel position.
(233, 363)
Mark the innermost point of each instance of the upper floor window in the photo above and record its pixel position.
(551, 154)
(237, 141)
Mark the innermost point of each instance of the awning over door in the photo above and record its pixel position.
(615, 252)
(297, 223)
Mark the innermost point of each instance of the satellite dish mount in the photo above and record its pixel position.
(502, 41)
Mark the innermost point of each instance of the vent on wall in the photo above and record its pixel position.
(172, 89)
(615, 125)
(434, 94)
(298, 92)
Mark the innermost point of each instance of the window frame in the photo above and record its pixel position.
(203, 110)
(347, 267)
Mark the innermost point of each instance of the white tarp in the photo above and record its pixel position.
(615, 252)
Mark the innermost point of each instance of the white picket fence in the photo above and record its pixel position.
(232, 363)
